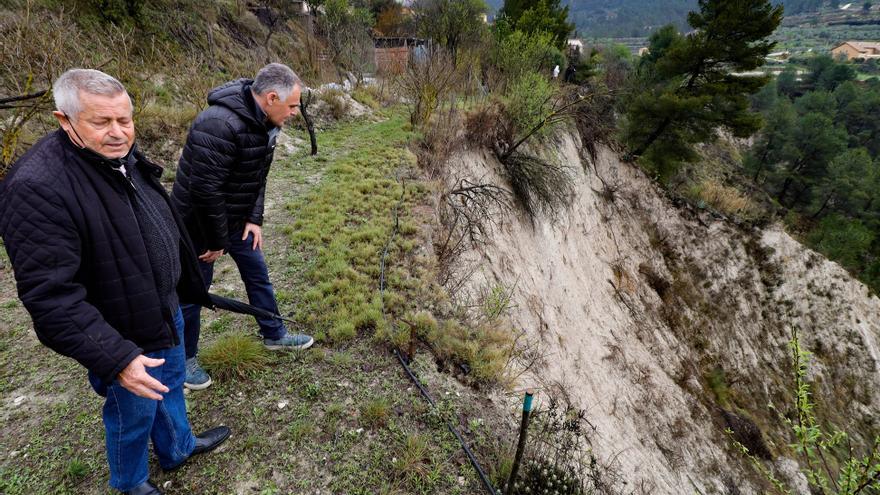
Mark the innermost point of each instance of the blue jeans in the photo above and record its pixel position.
(130, 422)
(254, 274)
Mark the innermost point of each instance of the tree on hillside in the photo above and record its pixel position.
(375, 7)
(848, 187)
(773, 145)
(273, 14)
(858, 109)
(697, 88)
(533, 16)
(658, 43)
(815, 142)
(787, 82)
(450, 23)
(347, 30)
(393, 21)
(826, 73)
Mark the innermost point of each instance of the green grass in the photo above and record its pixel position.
(374, 414)
(343, 224)
(234, 355)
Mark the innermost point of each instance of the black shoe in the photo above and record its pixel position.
(147, 488)
(206, 442)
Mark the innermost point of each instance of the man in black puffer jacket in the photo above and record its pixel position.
(220, 190)
(101, 262)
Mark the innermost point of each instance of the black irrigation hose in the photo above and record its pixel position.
(470, 455)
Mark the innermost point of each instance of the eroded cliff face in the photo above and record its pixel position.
(668, 323)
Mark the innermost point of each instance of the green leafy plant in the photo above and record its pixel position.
(830, 463)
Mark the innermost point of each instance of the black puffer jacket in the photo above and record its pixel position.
(221, 178)
(80, 261)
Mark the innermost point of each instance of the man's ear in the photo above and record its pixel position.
(271, 97)
(62, 119)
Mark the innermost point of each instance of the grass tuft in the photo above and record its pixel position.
(727, 200)
(234, 355)
(374, 414)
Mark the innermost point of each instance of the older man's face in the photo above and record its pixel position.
(103, 125)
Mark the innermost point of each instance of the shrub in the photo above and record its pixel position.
(722, 198)
(428, 81)
(831, 463)
(558, 458)
(234, 355)
(368, 96)
(843, 240)
(486, 126)
(440, 138)
(528, 101)
(336, 101)
(517, 52)
(538, 185)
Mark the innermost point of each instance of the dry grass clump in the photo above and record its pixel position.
(727, 200)
(486, 126)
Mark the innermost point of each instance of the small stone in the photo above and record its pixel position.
(166, 485)
(359, 430)
(18, 400)
(282, 404)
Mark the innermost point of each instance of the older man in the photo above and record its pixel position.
(220, 190)
(102, 262)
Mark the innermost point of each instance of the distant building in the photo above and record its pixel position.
(851, 50)
(393, 53)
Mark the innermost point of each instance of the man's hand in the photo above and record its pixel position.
(136, 380)
(210, 256)
(250, 228)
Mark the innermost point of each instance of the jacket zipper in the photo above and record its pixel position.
(167, 317)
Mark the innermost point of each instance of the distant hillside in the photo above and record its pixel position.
(637, 18)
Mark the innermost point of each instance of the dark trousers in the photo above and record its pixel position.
(254, 274)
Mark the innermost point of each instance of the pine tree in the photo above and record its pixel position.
(534, 16)
(697, 89)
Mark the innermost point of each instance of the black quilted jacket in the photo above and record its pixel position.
(221, 178)
(80, 262)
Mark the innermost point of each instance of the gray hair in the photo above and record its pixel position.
(68, 86)
(278, 78)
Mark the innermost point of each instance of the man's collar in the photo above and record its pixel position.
(131, 159)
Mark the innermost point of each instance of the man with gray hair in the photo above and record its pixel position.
(102, 263)
(221, 187)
